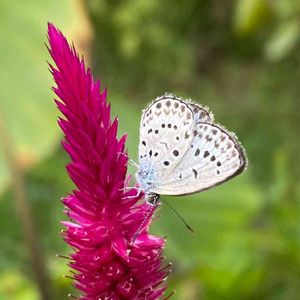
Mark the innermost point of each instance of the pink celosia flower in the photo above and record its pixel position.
(104, 216)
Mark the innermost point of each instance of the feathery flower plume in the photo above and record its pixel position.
(104, 216)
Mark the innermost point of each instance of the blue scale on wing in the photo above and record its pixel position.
(165, 135)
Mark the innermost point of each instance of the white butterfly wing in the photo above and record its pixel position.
(201, 113)
(165, 134)
(214, 156)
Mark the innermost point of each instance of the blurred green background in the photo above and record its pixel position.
(241, 58)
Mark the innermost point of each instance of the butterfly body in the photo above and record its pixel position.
(182, 151)
(147, 176)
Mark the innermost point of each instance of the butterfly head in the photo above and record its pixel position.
(152, 199)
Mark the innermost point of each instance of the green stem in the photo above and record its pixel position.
(24, 212)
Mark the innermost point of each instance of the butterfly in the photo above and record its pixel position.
(183, 151)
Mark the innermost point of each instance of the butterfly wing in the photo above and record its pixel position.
(201, 113)
(214, 156)
(165, 134)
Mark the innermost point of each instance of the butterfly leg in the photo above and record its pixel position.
(139, 191)
(130, 161)
(126, 188)
(133, 163)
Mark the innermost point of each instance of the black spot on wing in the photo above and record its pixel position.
(195, 173)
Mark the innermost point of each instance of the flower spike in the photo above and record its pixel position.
(104, 214)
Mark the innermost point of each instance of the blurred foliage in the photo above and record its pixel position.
(242, 59)
(25, 79)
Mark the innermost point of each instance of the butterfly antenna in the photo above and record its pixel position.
(180, 217)
(148, 214)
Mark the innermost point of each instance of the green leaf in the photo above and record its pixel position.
(25, 96)
(16, 286)
(250, 15)
(283, 40)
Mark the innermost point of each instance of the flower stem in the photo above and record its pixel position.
(24, 212)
